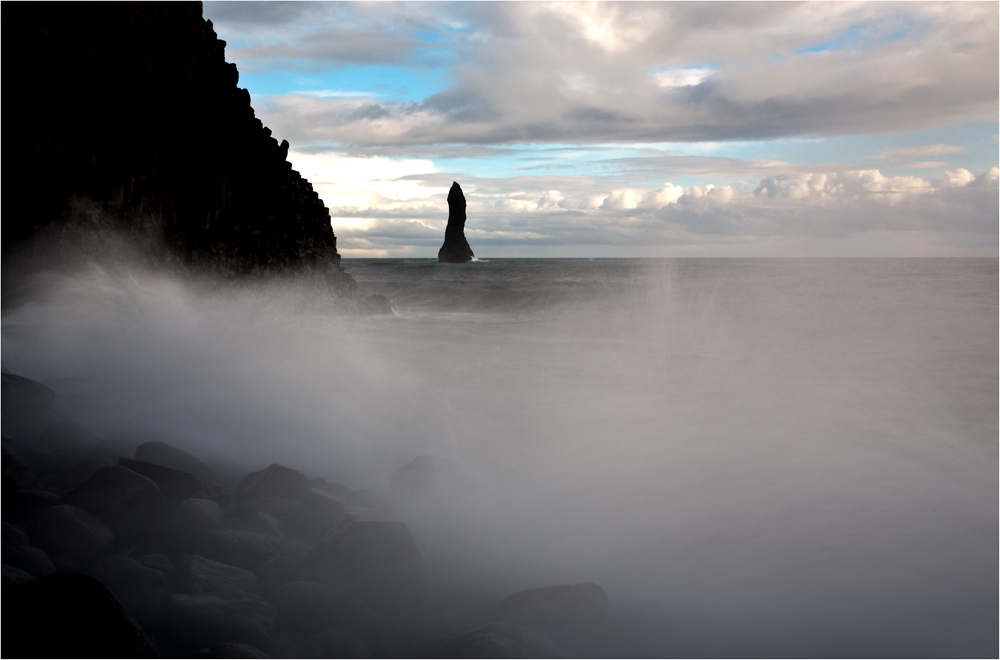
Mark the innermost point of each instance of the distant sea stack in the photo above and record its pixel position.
(456, 249)
(129, 119)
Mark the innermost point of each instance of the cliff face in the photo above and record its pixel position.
(455, 249)
(132, 106)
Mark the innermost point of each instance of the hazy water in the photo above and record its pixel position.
(753, 457)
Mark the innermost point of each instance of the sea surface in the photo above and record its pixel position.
(753, 457)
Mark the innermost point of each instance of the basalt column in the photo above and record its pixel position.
(455, 249)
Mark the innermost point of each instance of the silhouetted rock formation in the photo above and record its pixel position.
(456, 249)
(129, 118)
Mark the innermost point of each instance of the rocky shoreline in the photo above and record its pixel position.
(125, 548)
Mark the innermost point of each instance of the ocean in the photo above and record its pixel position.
(753, 457)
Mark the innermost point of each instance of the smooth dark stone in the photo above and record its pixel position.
(455, 248)
(16, 474)
(251, 551)
(199, 575)
(558, 610)
(273, 481)
(13, 537)
(81, 471)
(141, 589)
(262, 523)
(70, 616)
(18, 392)
(69, 432)
(500, 639)
(161, 453)
(273, 506)
(201, 620)
(330, 487)
(23, 506)
(68, 531)
(232, 650)
(30, 559)
(157, 562)
(12, 576)
(310, 607)
(330, 643)
(369, 552)
(127, 501)
(175, 485)
(199, 517)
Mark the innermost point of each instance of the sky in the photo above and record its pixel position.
(636, 130)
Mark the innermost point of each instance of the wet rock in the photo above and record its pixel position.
(13, 537)
(200, 620)
(231, 650)
(69, 432)
(330, 643)
(16, 474)
(80, 471)
(158, 562)
(278, 507)
(23, 506)
(368, 552)
(500, 640)
(70, 616)
(141, 589)
(251, 551)
(31, 560)
(161, 453)
(201, 516)
(273, 481)
(23, 394)
(127, 501)
(198, 575)
(175, 485)
(455, 248)
(330, 487)
(68, 531)
(556, 611)
(310, 607)
(264, 524)
(12, 575)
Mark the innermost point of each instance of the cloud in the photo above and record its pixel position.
(907, 153)
(635, 72)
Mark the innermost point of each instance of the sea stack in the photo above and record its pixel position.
(456, 249)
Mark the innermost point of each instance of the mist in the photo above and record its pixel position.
(752, 457)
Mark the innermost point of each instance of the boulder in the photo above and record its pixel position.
(200, 516)
(68, 531)
(330, 487)
(273, 481)
(330, 643)
(157, 562)
(23, 506)
(141, 589)
(169, 456)
(12, 576)
(125, 500)
(175, 485)
(369, 552)
(20, 393)
(12, 537)
(198, 575)
(70, 616)
(195, 621)
(79, 472)
(67, 433)
(264, 524)
(251, 551)
(31, 560)
(278, 507)
(310, 607)
(16, 474)
(556, 611)
(231, 650)
(320, 509)
(500, 639)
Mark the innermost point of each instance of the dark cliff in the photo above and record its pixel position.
(455, 249)
(133, 109)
